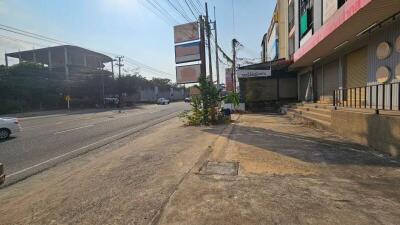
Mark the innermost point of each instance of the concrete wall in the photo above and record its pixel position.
(152, 94)
(388, 33)
(381, 132)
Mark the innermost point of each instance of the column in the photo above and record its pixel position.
(112, 69)
(50, 61)
(84, 61)
(66, 63)
(34, 56)
(6, 59)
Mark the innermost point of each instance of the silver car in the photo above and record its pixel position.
(163, 101)
(9, 126)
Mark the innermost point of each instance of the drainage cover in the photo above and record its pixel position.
(220, 168)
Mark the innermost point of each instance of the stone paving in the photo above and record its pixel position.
(289, 174)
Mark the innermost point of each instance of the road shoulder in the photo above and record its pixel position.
(126, 183)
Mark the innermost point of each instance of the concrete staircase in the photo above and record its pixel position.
(316, 114)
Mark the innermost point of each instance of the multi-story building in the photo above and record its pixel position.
(66, 59)
(345, 44)
(275, 41)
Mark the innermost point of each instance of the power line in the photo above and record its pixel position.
(233, 18)
(190, 9)
(156, 12)
(16, 30)
(42, 37)
(200, 5)
(19, 40)
(181, 12)
(163, 11)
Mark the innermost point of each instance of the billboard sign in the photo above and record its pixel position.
(188, 74)
(253, 73)
(228, 79)
(186, 32)
(187, 52)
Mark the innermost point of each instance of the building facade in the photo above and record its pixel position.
(275, 41)
(345, 45)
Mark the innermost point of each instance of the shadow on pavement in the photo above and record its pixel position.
(308, 149)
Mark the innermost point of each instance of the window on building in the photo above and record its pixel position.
(306, 16)
(341, 3)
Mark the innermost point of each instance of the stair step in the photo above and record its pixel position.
(316, 115)
(317, 110)
(316, 122)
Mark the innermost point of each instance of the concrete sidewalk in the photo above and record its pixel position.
(286, 174)
(126, 182)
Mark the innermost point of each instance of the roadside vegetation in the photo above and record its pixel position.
(207, 108)
(31, 87)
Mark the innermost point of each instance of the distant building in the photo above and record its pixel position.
(67, 59)
(275, 41)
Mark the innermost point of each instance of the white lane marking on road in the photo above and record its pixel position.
(69, 130)
(79, 149)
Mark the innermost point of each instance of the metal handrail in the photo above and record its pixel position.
(378, 97)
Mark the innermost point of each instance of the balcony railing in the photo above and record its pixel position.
(378, 97)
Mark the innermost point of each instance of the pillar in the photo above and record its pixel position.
(112, 69)
(66, 63)
(50, 61)
(84, 61)
(6, 59)
(34, 56)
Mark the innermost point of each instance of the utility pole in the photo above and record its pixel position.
(119, 59)
(202, 48)
(209, 44)
(234, 42)
(216, 48)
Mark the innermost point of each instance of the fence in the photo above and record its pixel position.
(379, 97)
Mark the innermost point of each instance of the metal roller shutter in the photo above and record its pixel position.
(318, 83)
(304, 80)
(356, 76)
(356, 68)
(330, 79)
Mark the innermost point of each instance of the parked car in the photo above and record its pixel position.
(187, 100)
(162, 101)
(2, 175)
(9, 126)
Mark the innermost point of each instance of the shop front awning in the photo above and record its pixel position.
(350, 22)
(279, 68)
(279, 64)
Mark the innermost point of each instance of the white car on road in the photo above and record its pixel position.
(8, 126)
(163, 101)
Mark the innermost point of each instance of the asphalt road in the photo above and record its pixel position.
(48, 137)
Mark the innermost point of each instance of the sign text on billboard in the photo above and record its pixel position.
(188, 74)
(187, 52)
(186, 32)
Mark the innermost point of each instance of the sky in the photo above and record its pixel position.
(130, 27)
